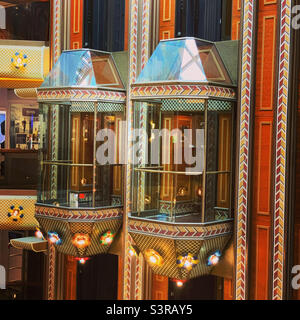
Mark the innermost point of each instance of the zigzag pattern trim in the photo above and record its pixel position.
(80, 215)
(132, 78)
(145, 33)
(51, 276)
(56, 31)
(81, 95)
(281, 141)
(179, 232)
(245, 108)
(183, 91)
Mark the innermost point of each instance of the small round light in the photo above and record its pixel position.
(214, 258)
(179, 283)
(153, 258)
(38, 234)
(132, 251)
(187, 261)
(54, 238)
(82, 260)
(107, 238)
(81, 240)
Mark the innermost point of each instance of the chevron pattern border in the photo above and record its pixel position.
(133, 34)
(176, 231)
(57, 30)
(145, 33)
(51, 270)
(182, 91)
(281, 141)
(245, 108)
(78, 215)
(81, 95)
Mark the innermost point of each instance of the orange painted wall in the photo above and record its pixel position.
(76, 30)
(126, 22)
(296, 293)
(261, 215)
(160, 287)
(228, 289)
(70, 278)
(236, 16)
(167, 19)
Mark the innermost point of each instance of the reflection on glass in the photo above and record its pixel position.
(70, 175)
(170, 187)
(84, 68)
(185, 60)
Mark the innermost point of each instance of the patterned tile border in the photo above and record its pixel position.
(182, 91)
(177, 231)
(245, 104)
(57, 4)
(133, 45)
(145, 33)
(51, 272)
(81, 95)
(78, 215)
(280, 155)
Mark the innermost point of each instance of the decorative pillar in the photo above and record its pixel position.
(56, 29)
(245, 110)
(133, 272)
(281, 162)
(51, 272)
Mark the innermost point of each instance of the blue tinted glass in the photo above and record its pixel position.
(184, 60)
(164, 64)
(74, 68)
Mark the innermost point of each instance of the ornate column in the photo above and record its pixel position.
(139, 26)
(282, 156)
(245, 111)
(56, 29)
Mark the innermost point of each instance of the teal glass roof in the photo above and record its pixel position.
(185, 60)
(84, 68)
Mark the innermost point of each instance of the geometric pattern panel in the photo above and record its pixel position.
(78, 106)
(170, 249)
(67, 222)
(66, 231)
(191, 105)
(27, 222)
